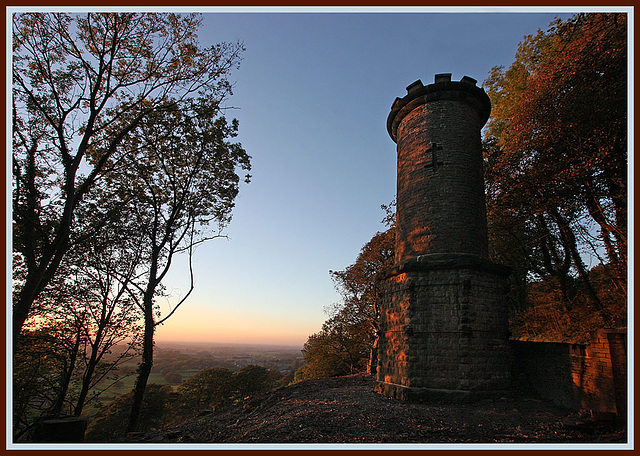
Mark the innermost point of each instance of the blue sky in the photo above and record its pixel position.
(312, 96)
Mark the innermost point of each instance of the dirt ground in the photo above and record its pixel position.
(346, 410)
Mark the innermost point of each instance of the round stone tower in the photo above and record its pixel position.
(440, 195)
(444, 327)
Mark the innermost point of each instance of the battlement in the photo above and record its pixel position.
(443, 88)
(439, 78)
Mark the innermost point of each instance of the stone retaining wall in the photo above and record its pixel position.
(583, 377)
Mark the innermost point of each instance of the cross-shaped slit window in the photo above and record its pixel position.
(431, 156)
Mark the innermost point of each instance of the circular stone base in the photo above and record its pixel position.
(413, 394)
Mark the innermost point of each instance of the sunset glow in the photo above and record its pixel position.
(201, 324)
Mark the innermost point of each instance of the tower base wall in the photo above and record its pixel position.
(415, 394)
(444, 329)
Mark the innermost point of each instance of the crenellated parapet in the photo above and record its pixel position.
(443, 88)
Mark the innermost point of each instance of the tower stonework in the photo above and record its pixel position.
(444, 327)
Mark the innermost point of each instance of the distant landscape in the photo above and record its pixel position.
(126, 160)
(175, 362)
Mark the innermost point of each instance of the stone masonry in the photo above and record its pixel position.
(444, 327)
(584, 377)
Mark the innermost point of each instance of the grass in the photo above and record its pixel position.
(126, 384)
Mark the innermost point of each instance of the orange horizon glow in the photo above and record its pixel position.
(228, 338)
(200, 324)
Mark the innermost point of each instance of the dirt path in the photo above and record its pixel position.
(346, 410)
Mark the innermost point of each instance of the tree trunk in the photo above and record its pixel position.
(86, 380)
(569, 242)
(145, 367)
(38, 279)
(33, 285)
(373, 359)
(557, 263)
(57, 408)
(20, 310)
(606, 228)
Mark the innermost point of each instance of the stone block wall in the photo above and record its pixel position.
(582, 377)
(440, 187)
(440, 328)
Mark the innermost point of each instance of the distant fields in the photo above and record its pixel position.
(187, 360)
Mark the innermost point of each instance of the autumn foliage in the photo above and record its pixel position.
(347, 341)
(555, 155)
(556, 175)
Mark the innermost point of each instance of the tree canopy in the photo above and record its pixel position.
(81, 85)
(122, 158)
(556, 161)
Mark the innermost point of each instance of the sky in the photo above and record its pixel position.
(312, 97)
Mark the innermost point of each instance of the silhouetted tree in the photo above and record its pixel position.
(40, 367)
(87, 312)
(81, 85)
(181, 194)
(133, 101)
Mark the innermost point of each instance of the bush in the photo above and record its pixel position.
(252, 380)
(173, 378)
(110, 422)
(206, 390)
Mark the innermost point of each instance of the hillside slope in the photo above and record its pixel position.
(346, 410)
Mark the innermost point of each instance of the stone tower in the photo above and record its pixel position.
(444, 327)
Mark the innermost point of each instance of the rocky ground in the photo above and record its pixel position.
(346, 410)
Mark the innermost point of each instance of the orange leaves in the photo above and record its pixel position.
(559, 103)
(556, 144)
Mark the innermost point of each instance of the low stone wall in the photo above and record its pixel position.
(583, 377)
